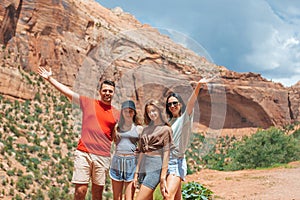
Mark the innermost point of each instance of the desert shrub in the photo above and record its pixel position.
(215, 160)
(14, 130)
(193, 153)
(296, 134)
(196, 191)
(216, 156)
(38, 110)
(56, 141)
(264, 149)
(38, 196)
(4, 182)
(19, 172)
(11, 172)
(18, 197)
(65, 195)
(24, 183)
(53, 193)
(37, 97)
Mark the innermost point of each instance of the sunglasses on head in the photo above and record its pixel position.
(174, 103)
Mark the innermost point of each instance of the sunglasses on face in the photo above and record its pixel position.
(174, 103)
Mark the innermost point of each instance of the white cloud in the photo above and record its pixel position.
(291, 42)
(276, 50)
(261, 36)
(280, 59)
(287, 82)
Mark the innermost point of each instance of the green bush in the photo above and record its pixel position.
(53, 193)
(264, 149)
(296, 134)
(37, 97)
(194, 152)
(23, 183)
(216, 156)
(10, 172)
(18, 197)
(39, 195)
(157, 194)
(196, 191)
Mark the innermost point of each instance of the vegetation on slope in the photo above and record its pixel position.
(39, 137)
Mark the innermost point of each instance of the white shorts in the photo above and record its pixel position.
(88, 167)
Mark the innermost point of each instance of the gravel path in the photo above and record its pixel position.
(267, 184)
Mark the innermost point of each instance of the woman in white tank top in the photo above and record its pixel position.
(181, 120)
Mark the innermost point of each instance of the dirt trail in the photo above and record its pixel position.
(267, 184)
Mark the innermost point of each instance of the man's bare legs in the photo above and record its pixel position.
(97, 191)
(81, 190)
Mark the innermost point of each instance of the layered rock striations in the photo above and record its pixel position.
(82, 42)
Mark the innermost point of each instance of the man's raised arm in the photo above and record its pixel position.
(73, 96)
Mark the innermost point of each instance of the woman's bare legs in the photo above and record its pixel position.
(174, 187)
(145, 193)
(129, 190)
(117, 187)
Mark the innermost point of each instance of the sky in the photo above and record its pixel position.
(259, 36)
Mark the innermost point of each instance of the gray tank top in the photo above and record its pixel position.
(128, 141)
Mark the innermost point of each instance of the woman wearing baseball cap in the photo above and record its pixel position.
(123, 165)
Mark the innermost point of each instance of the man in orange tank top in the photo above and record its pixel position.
(92, 157)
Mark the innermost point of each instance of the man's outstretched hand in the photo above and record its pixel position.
(44, 73)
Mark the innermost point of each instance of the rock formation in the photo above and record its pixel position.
(83, 42)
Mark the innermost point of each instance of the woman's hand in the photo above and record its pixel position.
(44, 73)
(163, 187)
(135, 180)
(206, 80)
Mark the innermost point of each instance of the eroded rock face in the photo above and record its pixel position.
(294, 101)
(255, 102)
(83, 42)
(9, 22)
(14, 84)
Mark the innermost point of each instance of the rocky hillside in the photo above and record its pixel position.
(37, 141)
(82, 41)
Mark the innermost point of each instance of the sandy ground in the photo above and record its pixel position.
(281, 183)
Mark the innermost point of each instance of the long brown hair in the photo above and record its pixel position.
(156, 104)
(118, 128)
(136, 120)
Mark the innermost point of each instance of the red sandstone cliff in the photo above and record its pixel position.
(82, 41)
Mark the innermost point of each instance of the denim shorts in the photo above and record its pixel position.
(178, 167)
(122, 168)
(150, 170)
